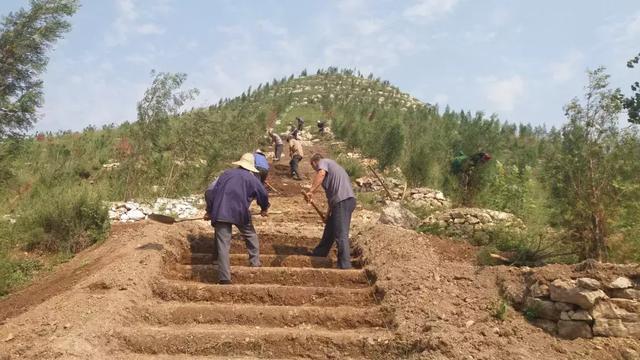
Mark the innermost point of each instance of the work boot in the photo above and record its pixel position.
(224, 282)
(296, 177)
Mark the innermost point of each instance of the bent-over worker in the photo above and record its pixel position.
(342, 202)
(228, 200)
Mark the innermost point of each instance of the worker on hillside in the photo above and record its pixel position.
(342, 202)
(465, 168)
(277, 145)
(300, 123)
(294, 132)
(296, 154)
(321, 126)
(228, 200)
(262, 164)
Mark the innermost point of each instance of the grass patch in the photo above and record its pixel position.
(500, 310)
(62, 220)
(14, 273)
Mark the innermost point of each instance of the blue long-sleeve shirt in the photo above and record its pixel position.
(261, 161)
(229, 197)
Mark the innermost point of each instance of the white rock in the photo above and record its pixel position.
(113, 215)
(131, 206)
(621, 283)
(136, 215)
(124, 217)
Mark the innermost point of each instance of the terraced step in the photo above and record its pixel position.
(262, 342)
(352, 278)
(268, 260)
(281, 244)
(263, 294)
(341, 317)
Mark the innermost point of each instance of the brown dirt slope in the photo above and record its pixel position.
(149, 291)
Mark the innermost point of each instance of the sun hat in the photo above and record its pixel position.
(247, 162)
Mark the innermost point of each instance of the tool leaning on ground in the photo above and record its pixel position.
(310, 201)
(166, 219)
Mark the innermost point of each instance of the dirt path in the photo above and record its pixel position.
(150, 292)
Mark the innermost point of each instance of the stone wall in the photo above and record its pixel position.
(471, 222)
(585, 307)
(131, 211)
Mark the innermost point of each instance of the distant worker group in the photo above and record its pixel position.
(229, 197)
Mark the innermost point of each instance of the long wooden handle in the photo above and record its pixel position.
(320, 213)
(381, 182)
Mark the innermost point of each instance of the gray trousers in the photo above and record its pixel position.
(337, 230)
(223, 244)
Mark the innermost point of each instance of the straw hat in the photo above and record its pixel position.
(247, 162)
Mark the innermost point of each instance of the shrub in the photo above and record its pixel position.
(65, 220)
(353, 167)
(525, 247)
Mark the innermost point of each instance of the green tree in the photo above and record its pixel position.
(25, 37)
(587, 165)
(632, 103)
(161, 101)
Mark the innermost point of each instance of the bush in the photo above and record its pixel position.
(64, 220)
(525, 247)
(353, 167)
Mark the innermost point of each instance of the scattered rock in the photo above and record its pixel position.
(538, 290)
(621, 283)
(589, 284)
(395, 214)
(574, 329)
(136, 215)
(567, 291)
(630, 294)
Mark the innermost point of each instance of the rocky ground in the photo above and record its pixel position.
(149, 292)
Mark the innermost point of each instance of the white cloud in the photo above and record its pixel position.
(567, 68)
(271, 28)
(369, 26)
(429, 9)
(149, 29)
(504, 94)
(128, 22)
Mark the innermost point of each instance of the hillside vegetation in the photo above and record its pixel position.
(53, 185)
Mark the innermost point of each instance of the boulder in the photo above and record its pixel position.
(395, 214)
(136, 215)
(574, 329)
(580, 315)
(617, 318)
(588, 283)
(546, 325)
(567, 291)
(543, 309)
(621, 283)
(539, 290)
(113, 215)
(630, 294)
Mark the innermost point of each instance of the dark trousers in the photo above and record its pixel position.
(294, 164)
(223, 245)
(278, 152)
(337, 230)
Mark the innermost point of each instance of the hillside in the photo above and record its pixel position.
(54, 185)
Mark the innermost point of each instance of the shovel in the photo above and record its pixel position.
(166, 219)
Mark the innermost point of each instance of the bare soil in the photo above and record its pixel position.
(149, 292)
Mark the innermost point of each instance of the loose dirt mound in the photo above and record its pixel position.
(149, 292)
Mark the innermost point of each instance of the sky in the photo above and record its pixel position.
(522, 60)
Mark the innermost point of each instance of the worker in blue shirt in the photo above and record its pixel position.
(262, 164)
(228, 200)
